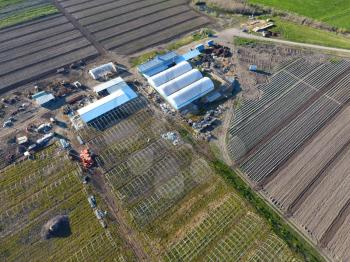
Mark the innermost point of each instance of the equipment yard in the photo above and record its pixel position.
(293, 145)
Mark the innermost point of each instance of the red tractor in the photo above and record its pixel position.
(86, 158)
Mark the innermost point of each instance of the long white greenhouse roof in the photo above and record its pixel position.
(179, 83)
(101, 70)
(111, 85)
(190, 93)
(169, 74)
(106, 104)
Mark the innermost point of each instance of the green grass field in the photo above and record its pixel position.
(335, 13)
(24, 15)
(304, 34)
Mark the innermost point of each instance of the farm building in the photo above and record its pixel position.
(111, 86)
(191, 93)
(158, 64)
(42, 98)
(106, 104)
(169, 74)
(180, 85)
(102, 70)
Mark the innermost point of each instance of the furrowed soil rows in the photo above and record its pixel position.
(302, 165)
(39, 70)
(287, 186)
(122, 7)
(28, 29)
(37, 47)
(146, 30)
(33, 50)
(138, 14)
(44, 55)
(267, 159)
(244, 136)
(162, 37)
(131, 26)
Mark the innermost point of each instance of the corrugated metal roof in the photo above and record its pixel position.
(39, 94)
(44, 98)
(101, 70)
(106, 104)
(108, 84)
(158, 61)
(190, 55)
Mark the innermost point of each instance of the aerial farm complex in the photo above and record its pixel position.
(169, 130)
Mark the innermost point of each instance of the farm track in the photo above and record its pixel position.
(125, 230)
(283, 124)
(82, 30)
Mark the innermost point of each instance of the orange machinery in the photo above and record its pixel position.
(86, 158)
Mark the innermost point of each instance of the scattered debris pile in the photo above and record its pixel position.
(173, 137)
(221, 51)
(56, 227)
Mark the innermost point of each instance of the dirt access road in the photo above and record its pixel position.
(228, 34)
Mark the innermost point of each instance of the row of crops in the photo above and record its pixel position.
(280, 147)
(295, 104)
(247, 134)
(35, 191)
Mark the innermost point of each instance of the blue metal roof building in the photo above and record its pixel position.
(106, 104)
(158, 64)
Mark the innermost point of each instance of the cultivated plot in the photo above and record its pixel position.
(128, 26)
(34, 49)
(33, 192)
(180, 208)
(294, 144)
